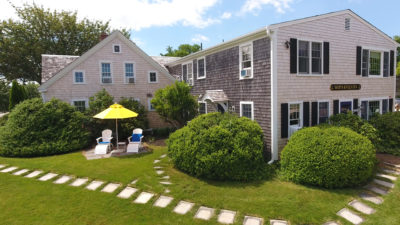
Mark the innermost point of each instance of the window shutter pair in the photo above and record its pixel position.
(362, 62)
(285, 118)
(293, 56)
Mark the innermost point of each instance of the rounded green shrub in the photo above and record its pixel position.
(388, 126)
(219, 147)
(330, 157)
(35, 128)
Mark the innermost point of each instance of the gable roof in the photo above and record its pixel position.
(98, 46)
(52, 64)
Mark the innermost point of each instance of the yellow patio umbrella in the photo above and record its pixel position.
(116, 111)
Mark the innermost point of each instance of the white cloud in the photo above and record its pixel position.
(226, 15)
(255, 5)
(200, 38)
(135, 14)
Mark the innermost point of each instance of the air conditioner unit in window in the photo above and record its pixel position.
(131, 80)
(107, 80)
(245, 73)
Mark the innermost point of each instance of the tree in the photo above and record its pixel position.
(183, 50)
(175, 104)
(17, 95)
(41, 31)
(4, 95)
(397, 38)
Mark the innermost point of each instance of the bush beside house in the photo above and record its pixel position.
(219, 147)
(388, 126)
(330, 157)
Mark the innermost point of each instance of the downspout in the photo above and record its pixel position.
(272, 34)
(42, 94)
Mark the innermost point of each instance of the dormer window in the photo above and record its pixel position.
(116, 48)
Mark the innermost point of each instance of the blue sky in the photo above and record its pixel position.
(158, 23)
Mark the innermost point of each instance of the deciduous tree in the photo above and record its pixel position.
(183, 50)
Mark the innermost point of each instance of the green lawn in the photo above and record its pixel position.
(270, 199)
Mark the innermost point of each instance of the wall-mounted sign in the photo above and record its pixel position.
(345, 87)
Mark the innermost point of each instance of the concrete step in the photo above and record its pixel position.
(361, 207)
(371, 198)
(384, 183)
(350, 216)
(392, 178)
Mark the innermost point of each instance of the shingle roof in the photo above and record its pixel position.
(163, 60)
(214, 96)
(52, 64)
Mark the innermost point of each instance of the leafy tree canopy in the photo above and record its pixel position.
(41, 31)
(183, 50)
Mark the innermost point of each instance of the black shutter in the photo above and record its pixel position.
(355, 106)
(306, 114)
(326, 57)
(390, 104)
(293, 55)
(335, 107)
(284, 120)
(314, 113)
(358, 62)
(391, 64)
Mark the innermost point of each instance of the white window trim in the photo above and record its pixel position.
(240, 60)
(301, 112)
(111, 71)
(310, 74)
(83, 74)
(148, 77)
(186, 63)
(134, 71)
(247, 103)
(113, 49)
(86, 100)
(375, 49)
(149, 104)
(346, 100)
(205, 74)
(380, 99)
(329, 108)
(205, 102)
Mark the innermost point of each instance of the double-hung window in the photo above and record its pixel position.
(187, 73)
(247, 110)
(375, 63)
(246, 61)
(295, 115)
(153, 77)
(323, 112)
(150, 106)
(371, 107)
(201, 68)
(106, 73)
(79, 77)
(309, 57)
(202, 107)
(80, 105)
(129, 73)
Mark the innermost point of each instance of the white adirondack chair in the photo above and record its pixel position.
(135, 141)
(105, 144)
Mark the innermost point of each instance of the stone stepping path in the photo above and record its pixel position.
(79, 182)
(392, 165)
(226, 216)
(143, 198)
(34, 174)
(110, 188)
(63, 179)
(157, 161)
(163, 156)
(350, 216)
(20, 172)
(384, 183)
(165, 177)
(94, 185)
(9, 169)
(361, 207)
(331, 223)
(165, 182)
(134, 181)
(48, 176)
(183, 207)
(204, 213)
(127, 192)
(392, 178)
(159, 172)
(250, 220)
(158, 167)
(390, 171)
(376, 190)
(163, 201)
(371, 198)
(278, 222)
(2, 166)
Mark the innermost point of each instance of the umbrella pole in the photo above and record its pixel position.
(116, 130)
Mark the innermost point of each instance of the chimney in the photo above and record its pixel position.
(103, 36)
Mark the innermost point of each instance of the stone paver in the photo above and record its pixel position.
(393, 165)
(9, 169)
(167, 191)
(165, 182)
(48, 176)
(165, 177)
(392, 178)
(158, 167)
(331, 223)
(2, 166)
(143, 198)
(64, 179)
(94, 185)
(134, 181)
(391, 171)
(110, 188)
(226, 216)
(163, 201)
(278, 222)
(34, 174)
(371, 198)
(350, 216)
(20, 172)
(183, 207)
(163, 156)
(204, 213)
(384, 183)
(250, 220)
(79, 182)
(156, 161)
(377, 190)
(359, 206)
(127, 192)
(159, 172)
